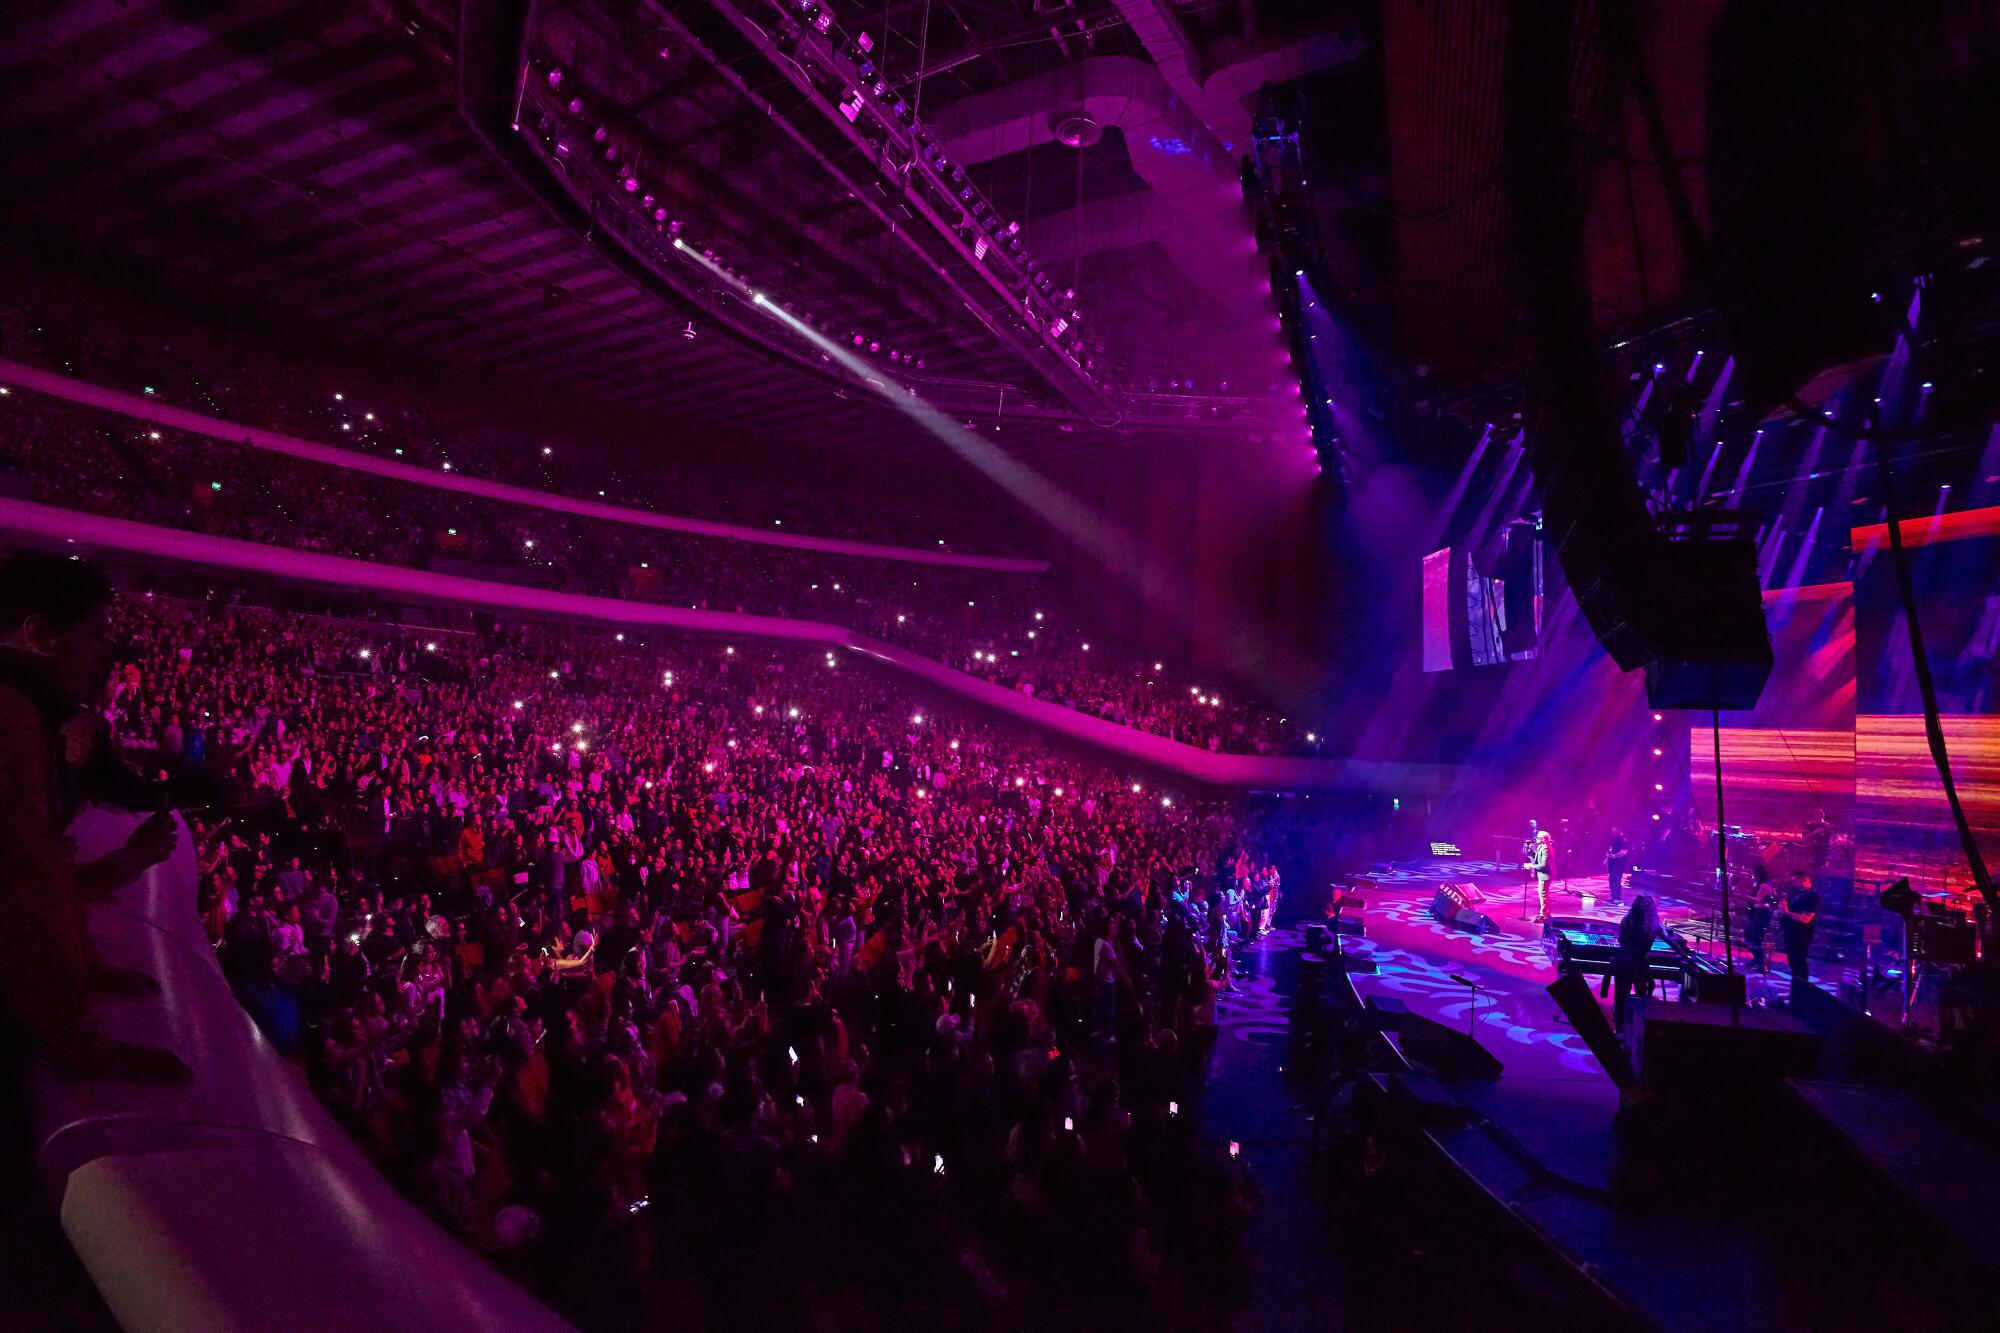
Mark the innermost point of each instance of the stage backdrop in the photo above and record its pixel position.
(1792, 755)
(1903, 826)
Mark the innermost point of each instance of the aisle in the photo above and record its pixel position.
(1300, 1280)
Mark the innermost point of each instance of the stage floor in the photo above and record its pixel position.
(1553, 1103)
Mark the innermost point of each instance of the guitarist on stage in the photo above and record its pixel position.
(1541, 859)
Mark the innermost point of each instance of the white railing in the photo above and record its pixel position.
(234, 1202)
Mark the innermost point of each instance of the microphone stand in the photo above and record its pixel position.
(1472, 1016)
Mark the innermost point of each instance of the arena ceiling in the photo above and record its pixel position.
(310, 164)
(314, 166)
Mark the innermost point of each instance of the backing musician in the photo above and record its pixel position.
(1617, 863)
(1757, 921)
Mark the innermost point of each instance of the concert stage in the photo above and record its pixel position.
(1541, 1141)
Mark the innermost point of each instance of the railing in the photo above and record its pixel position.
(67, 529)
(197, 423)
(234, 1202)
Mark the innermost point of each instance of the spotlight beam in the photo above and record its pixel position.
(1091, 532)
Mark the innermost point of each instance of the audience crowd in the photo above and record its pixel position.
(1008, 628)
(719, 979)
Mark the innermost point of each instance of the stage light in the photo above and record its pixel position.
(730, 651)
(338, 398)
(954, 745)
(1167, 801)
(1659, 717)
(1659, 786)
(1135, 788)
(555, 675)
(1657, 752)
(792, 713)
(918, 719)
(1312, 738)
(430, 647)
(366, 654)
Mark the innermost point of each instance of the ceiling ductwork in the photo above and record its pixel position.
(1171, 150)
(1220, 96)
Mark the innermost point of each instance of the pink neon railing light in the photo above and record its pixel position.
(197, 423)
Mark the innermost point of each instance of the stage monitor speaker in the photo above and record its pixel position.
(1571, 992)
(1716, 987)
(1452, 905)
(1455, 1057)
(1718, 1051)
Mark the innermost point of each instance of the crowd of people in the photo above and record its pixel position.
(1006, 627)
(184, 366)
(712, 975)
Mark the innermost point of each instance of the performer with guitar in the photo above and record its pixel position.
(1540, 860)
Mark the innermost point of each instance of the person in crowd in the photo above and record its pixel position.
(55, 655)
(821, 946)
